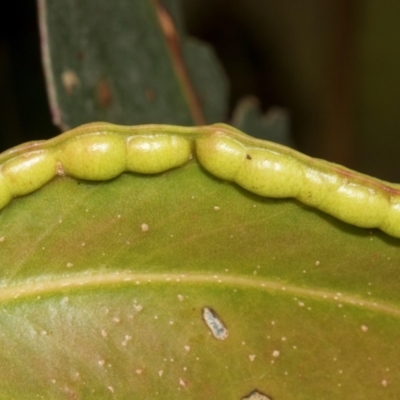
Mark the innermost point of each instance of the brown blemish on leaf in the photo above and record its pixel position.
(150, 95)
(80, 55)
(104, 94)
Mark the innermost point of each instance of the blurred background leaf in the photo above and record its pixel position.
(333, 64)
(125, 62)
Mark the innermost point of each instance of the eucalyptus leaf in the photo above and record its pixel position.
(273, 126)
(104, 286)
(127, 62)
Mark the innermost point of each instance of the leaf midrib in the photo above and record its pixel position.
(89, 280)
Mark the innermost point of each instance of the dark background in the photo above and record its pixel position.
(334, 64)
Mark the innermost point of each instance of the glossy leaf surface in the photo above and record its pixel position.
(103, 287)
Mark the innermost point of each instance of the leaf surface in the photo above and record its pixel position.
(129, 63)
(104, 287)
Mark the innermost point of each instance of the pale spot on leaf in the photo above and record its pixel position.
(138, 307)
(182, 382)
(256, 395)
(70, 81)
(144, 227)
(275, 353)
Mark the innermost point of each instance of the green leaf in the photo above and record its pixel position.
(273, 126)
(103, 287)
(127, 62)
